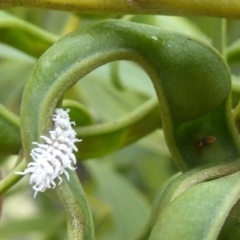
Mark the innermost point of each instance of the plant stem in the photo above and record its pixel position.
(217, 8)
(75, 204)
(9, 181)
(114, 73)
(219, 34)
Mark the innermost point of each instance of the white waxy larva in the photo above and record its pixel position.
(55, 156)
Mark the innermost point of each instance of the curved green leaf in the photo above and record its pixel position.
(200, 212)
(24, 36)
(230, 229)
(189, 179)
(78, 113)
(184, 72)
(108, 137)
(103, 138)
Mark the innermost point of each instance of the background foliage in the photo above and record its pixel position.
(121, 186)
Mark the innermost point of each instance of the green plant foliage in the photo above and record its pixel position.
(129, 209)
(211, 200)
(136, 134)
(178, 90)
(10, 135)
(24, 36)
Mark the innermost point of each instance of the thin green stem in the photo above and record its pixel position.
(219, 34)
(224, 37)
(236, 116)
(12, 178)
(233, 52)
(114, 74)
(217, 8)
(235, 85)
(236, 111)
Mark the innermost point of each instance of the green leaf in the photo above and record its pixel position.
(130, 211)
(184, 72)
(182, 183)
(78, 113)
(108, 137)
(200, 212)
(24, 36)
